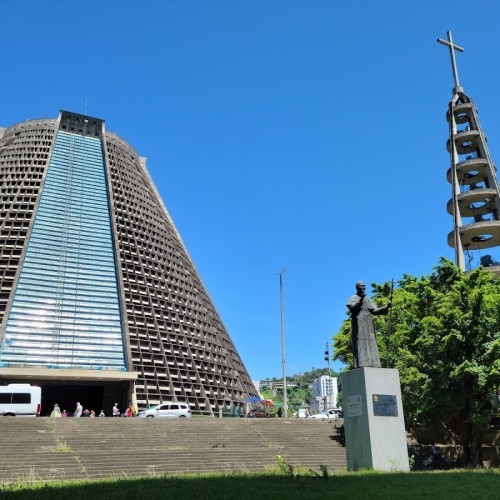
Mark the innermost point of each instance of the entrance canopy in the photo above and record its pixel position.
(66, 375)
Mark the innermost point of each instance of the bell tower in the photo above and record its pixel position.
(475, 201)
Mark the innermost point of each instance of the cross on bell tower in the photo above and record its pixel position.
(453, 47)
(475, 202)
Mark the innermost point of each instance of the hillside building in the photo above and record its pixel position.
(325, 393)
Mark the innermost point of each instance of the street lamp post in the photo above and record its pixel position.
(285, 397)
(328, 386)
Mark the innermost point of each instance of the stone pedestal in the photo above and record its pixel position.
(375, 435)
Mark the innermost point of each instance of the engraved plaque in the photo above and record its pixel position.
(354, 406)
(384, 405)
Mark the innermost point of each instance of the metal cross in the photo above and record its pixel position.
(452, 47)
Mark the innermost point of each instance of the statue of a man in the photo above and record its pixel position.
(364, 344)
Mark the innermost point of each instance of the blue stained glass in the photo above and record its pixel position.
(66, 309)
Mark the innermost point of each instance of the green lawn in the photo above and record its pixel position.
(470, 484)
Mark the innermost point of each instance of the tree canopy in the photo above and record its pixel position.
(445, 342)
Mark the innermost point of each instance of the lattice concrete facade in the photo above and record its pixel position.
(61, 308)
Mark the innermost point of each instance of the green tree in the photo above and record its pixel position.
(297, 396)
(445, 343)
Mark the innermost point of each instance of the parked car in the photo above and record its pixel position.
(167, 410)
(326, 414)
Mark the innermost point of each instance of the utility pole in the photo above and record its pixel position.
(285, 397)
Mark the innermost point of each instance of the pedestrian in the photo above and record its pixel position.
(128, 411)
(102, 414)
(86, 413)
(64, 414)
(92, 413)
(116, 410)
(56, 412)
(78, 411)
(436, 455)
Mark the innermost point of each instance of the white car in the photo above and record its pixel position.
(326, 414)
(167, 410)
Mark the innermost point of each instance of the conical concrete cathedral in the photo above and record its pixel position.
(100, 301)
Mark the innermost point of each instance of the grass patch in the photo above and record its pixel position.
(479, 484)
(26, 479)
(63, 447)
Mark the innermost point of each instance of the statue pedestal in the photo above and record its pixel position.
(375, 434)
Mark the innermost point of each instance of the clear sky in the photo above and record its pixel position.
(299, 135)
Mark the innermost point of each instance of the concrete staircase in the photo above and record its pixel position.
(85, 448)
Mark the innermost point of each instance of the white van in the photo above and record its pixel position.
(168, 410)
(20, 400)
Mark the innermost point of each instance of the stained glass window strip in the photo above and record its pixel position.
(66, 308)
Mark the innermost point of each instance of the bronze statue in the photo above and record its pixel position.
(364, 344)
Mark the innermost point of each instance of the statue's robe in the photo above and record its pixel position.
(364, 344)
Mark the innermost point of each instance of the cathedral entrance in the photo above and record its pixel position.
(95, 396)
(67, 395)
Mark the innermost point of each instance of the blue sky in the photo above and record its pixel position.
(307, 136)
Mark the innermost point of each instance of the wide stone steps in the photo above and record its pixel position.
(51, 449)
